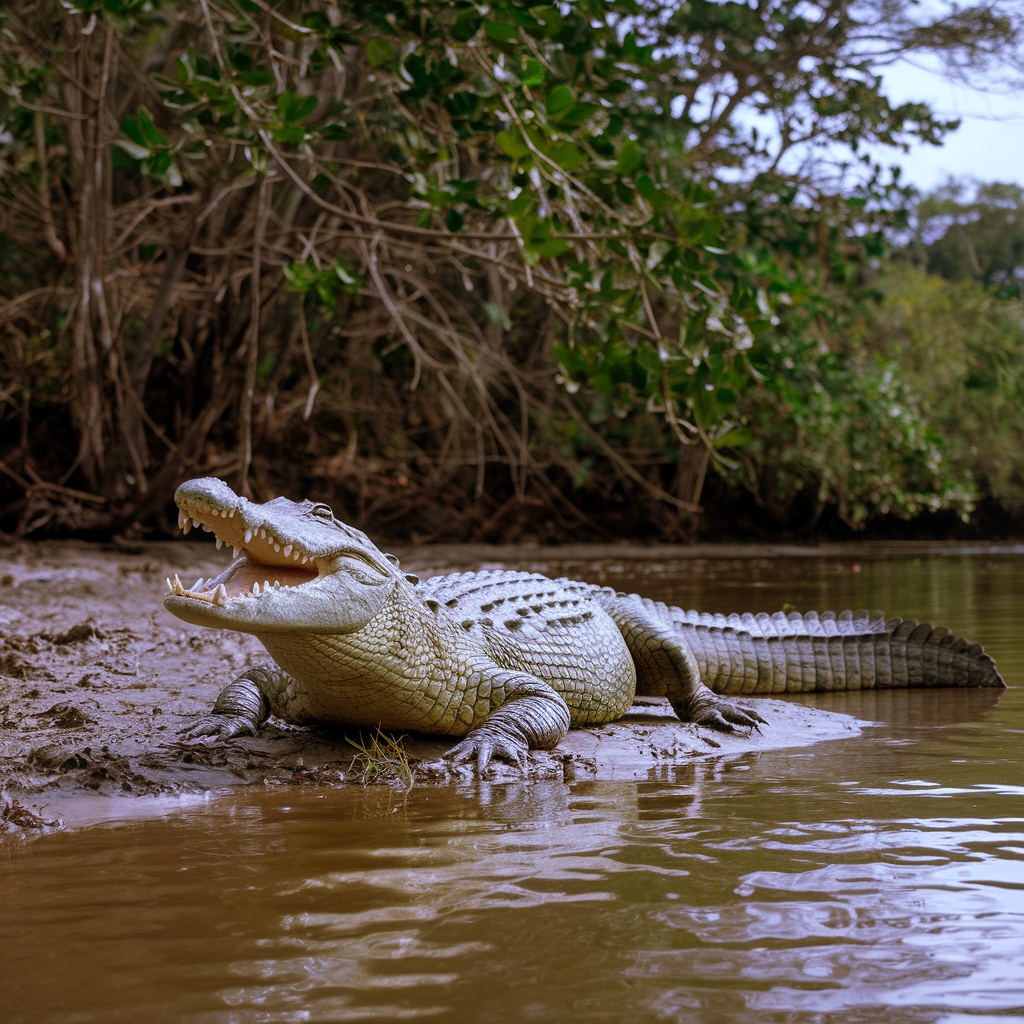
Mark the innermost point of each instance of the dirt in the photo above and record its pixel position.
(97, 682)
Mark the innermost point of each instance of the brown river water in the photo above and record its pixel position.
(866, 879)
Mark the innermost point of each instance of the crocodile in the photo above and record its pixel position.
(504, 661)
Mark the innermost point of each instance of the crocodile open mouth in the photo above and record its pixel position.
(263, 561)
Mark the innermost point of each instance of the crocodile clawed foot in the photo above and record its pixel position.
(212, 729)
(723, 715)
(482, 747)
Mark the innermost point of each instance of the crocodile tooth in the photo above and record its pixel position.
(207, 529)
(277, 547)
(182, 519)
(263, 533)
(198, 583)
(187, 527)
(277, 584)
(266, 586)
(220, 543)
(231, 514)
(304, 559)
(234, 552)
(220, 595)
(223, 513)
(178, 588)
(169, 587)
(295, 555)
(287, 551)
(256, 589)
(195, 522)
(248, 536)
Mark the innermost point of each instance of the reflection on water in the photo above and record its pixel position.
(874, 878)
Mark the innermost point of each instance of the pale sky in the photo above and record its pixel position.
(988, 145)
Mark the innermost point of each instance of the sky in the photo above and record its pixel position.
(988, 145)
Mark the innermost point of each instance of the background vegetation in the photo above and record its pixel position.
(498, 271)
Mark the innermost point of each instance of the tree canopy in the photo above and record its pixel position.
(494, 251)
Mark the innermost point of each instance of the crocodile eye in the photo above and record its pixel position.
(322, 512)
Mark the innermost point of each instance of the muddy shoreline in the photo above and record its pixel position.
(97, 681)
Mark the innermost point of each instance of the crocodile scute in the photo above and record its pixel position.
(505, 661)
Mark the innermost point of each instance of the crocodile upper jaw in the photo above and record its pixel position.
(295, 566)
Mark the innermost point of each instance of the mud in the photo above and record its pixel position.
(97, 681)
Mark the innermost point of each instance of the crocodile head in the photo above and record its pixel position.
(296, 567)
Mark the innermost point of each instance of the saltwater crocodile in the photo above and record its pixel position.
(507, 660)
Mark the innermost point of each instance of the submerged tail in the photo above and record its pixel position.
(859, 650)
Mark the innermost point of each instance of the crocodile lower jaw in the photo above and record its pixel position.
(245, 579)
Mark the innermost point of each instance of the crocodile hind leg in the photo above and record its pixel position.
(242, 706)
(529, 714)
(666, 667)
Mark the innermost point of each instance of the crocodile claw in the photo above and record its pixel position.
(725, 715)
(482, 747)
(217, 728)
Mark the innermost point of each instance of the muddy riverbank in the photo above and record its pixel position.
(97, 681)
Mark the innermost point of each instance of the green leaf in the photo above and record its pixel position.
(258, 78)
(335, 133)
(500, 32)
(300, 276)
(534, 74)
(151, 135)
(466, 25)
(183, 69)
(732, 439)
(133, 149)
(305, 108)
(657, 253)
(325, 293)
(292, 108)
(648, 359)
(160, 162)
(512, 145)
(131, 128)
(290, 134)
(379, 52)
(560, 101)
(454, 220)
(547, 246)
(578, 114)
(648, 189)
(567, 156)
(520, 204)
(345, 273)
(549, 18)
(630, 158)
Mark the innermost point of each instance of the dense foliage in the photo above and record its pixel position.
(483, 259)
(980, 236)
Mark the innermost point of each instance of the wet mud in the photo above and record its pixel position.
(97, 682)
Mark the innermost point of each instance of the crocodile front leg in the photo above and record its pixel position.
(530, 714)
(666, 667)
(242, 706)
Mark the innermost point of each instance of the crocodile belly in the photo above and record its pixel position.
(337, 684)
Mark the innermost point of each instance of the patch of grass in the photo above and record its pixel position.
(382, 760)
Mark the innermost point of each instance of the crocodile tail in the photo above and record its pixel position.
(861, 650)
